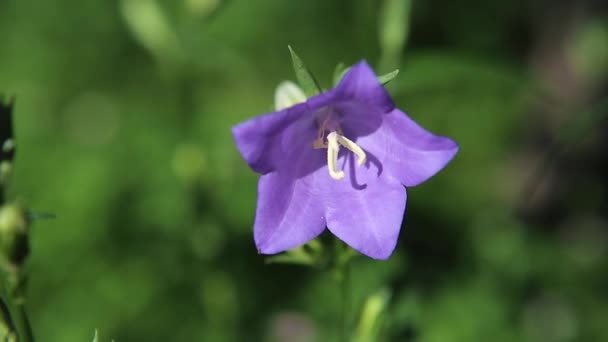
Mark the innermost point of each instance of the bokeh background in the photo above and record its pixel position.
(123, 120)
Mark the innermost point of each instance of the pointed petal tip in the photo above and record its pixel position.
(361, 83)
(372, 248)
(416, 154)
(451, 151)
(379, 253)
(269, 249)
(370, 224)
(236, 132)
(281, 241)
(249, 151)
(363, 64)
(263, 249)
(361, 68)
(382, 257)
(439, 161)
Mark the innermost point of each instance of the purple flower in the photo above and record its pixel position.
(339, 160)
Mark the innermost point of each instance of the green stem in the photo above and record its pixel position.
(345, 289)
(8, 313)
(343, 255)
(22, 324)
(15, 247)
(14, 300)
(7, 327)
(13, 297)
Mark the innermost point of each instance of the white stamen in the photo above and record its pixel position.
(349, 144)
(332, 156)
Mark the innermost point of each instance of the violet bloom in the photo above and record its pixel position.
(340, 160)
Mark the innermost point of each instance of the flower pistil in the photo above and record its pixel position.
(334, 140)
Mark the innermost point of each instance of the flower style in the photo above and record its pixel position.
(341, 160)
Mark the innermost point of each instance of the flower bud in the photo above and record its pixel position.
(5, 171)
(287, 95)
(14, 244)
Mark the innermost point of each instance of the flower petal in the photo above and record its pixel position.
(408, 152)
(359, 96)
(368, 220)
(256, 138)
(288, 214)
(361, 84)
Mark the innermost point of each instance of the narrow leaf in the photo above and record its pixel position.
(384, 79)
(306, 79)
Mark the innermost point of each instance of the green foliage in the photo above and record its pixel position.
(307, 80)
(386, 78)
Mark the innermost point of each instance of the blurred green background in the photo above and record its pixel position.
(123, 120)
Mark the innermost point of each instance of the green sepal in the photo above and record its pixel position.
(384, 79)
(341, 70)
(14, 239)
(310, 254)
(305, 78)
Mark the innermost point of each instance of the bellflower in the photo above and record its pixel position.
(341, 160)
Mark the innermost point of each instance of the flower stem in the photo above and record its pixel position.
(343, 255)
(345, 290)
(14, 246)
(22, 324)
(13, 298)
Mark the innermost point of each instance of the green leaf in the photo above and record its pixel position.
(384, 79)
(306, 79)
(95, 337)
